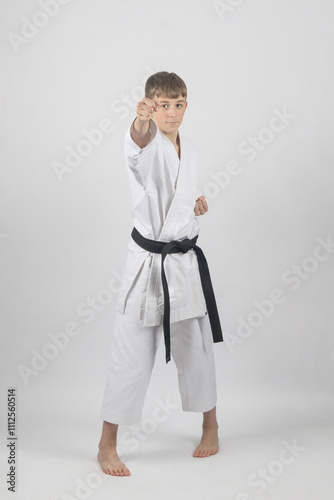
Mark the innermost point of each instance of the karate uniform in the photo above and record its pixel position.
(164, 190)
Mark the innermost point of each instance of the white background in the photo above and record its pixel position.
(63, 236)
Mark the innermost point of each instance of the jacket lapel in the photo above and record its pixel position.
(181, 209)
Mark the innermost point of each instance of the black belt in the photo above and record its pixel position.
(183, 246)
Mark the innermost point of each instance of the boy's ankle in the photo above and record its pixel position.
(107, 445)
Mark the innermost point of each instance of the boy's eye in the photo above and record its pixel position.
(178, 105)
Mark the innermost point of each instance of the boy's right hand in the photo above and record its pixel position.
(145, 109)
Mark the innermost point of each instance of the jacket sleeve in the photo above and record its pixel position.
(140, 160)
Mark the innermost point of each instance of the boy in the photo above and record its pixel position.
(166, 285)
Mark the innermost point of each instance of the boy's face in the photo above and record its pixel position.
(170, 113)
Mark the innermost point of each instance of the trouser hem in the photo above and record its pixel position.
(198, 407)
(118, 418)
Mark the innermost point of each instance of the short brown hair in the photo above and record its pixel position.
(167, 84)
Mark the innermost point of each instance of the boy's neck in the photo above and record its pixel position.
(174, 137)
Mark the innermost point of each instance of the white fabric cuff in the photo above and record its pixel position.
(133, 149)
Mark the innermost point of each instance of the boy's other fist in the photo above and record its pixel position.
(145, 109)
(201, 206)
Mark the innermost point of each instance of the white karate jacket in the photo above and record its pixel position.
(164, 191)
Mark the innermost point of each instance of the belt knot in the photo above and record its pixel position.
(185, 245)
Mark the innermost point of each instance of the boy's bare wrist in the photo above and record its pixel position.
(141, 132)
(141, 127)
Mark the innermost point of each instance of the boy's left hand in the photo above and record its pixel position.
(201, 206)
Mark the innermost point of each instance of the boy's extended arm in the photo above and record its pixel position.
(140, 131)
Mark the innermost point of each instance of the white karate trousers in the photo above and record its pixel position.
(132, 359)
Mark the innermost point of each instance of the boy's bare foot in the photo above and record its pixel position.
(209, 444)
(107, 456)
(110, 462)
